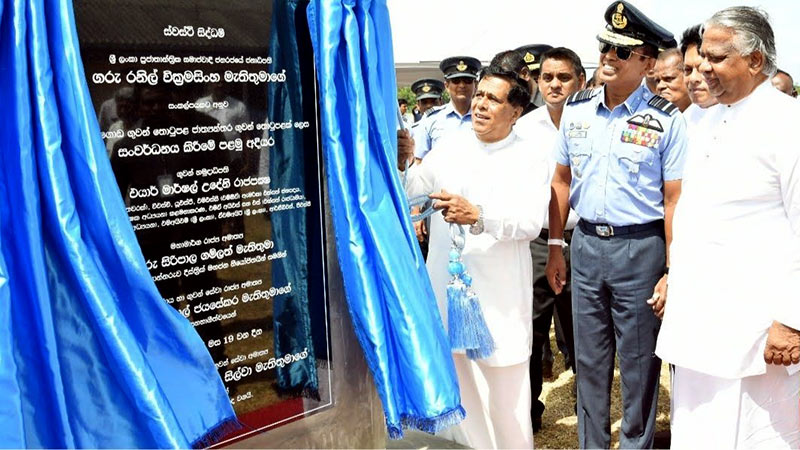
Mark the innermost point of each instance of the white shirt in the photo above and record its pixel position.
(735, 254)
(693, 114)
(537, 126)
(511, 184)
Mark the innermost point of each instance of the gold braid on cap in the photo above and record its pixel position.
(618, 20)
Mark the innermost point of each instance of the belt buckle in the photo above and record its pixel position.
(604, 230)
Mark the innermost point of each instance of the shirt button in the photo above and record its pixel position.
(599, 213)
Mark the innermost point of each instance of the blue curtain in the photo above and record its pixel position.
(293, 330)
(388, 290)
(90, 355)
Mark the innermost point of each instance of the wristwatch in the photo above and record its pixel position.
(477, 227)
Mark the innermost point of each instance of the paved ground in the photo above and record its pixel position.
(560, 424)
(420, 440)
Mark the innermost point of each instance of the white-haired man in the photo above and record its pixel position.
(733, 314)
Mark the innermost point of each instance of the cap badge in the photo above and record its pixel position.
(426, 88)
(529, 58)
(618, 20)
(461, 66)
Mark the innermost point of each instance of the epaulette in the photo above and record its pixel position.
(660, 103)
(582, 96)
(433, 110)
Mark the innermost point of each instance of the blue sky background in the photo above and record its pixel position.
(430, 30)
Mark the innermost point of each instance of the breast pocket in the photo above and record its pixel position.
(436, 133)
(580, 153)
(634, 160)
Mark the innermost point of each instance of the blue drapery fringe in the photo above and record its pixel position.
(389, 295)
(431, 425)
(217, 432)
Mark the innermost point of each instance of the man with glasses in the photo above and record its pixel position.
(619, 155)
(460, 73)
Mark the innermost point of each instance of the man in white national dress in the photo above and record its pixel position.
(489, 180)
(732, 316)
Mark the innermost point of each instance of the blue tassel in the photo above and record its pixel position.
(458, 311)
(466, 326)
(483, 338)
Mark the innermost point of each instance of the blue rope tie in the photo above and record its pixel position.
(467, 329)
(419, 201)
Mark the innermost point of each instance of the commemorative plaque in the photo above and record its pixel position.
(208, 112)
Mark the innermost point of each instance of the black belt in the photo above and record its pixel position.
(545, 234)
(606, 230)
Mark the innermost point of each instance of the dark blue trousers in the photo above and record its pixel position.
(612, 278)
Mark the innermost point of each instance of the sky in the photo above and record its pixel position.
(431, 30)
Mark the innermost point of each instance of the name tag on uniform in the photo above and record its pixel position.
(642, 130)
(576, 134)
(578, 130)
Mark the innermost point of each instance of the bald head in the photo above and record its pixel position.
(784, 83)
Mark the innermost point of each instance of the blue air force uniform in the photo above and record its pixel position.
(445, 120)
(438, 122)
(619, 161)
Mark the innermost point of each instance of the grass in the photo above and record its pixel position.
(560, 424)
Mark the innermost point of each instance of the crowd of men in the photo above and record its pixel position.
(652, 211)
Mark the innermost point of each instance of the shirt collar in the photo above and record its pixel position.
(631, 103)
(451, 109)
(542, 115)
(499, 144)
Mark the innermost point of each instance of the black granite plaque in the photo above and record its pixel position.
(208, 111)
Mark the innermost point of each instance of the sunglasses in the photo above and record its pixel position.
(623, 53)
(459, 80)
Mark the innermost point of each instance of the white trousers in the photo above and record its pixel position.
(757, 412)
(498, 405)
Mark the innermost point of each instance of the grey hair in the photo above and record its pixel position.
(752, 33)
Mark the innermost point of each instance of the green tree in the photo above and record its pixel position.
(406, 93)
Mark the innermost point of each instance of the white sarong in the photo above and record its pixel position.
(498, 405)
(756, 412)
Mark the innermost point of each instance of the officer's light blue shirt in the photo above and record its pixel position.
(440, 123)
(620, 159)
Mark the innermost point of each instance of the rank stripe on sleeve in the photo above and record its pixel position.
(581, 96)
(660, 103)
